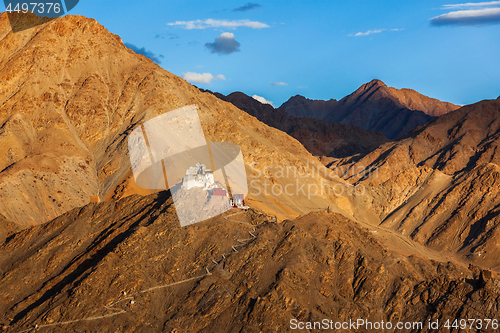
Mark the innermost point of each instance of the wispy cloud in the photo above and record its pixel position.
(227, 24)
(468, 17)
(472, 5)
(370, 32)
(168, 36)
(201, 77)
(248, 6)
(144, 52)
(224, 44)
(262, 100)
(278, 83)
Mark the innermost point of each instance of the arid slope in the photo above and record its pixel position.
(71, 92)
(128, 266)
(440, 185)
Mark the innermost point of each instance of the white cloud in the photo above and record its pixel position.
(211, 23)
(278, 84)
(201, 78)
(473, 4)
(468, 17)
(262, 100)
(370, 32)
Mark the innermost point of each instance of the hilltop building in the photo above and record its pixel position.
(199, 176)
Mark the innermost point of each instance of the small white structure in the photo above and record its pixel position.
(199, 176)
(239, 201)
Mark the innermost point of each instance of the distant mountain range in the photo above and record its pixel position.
(374, 107)
(317, 136)
(440, 185)
(416, 243)
(356, 124)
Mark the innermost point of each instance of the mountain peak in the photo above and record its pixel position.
(298, 98)
(300, 106)
(62, 25)
(373, 84)
(377, 82)
(374, 101)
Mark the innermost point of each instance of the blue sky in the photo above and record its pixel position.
(319, 49)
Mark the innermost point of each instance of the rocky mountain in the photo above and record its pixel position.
(71, 93)
(318, 137)
(411, 236)
(374, 107)
(129, 266)
(440, 184)
(302, 107)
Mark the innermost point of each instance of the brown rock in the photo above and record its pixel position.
(440, 184)
(71, 93)
(318, 137)
(485, 276)
(374, 107)
(279, 275)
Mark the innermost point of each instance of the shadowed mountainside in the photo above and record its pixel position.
(318, 137)
(440, 185)
(374, 107)
(128, 265)
(302, 107)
